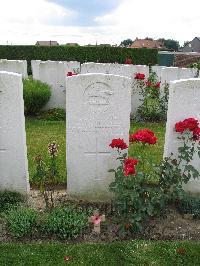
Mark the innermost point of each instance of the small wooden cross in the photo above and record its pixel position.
(96, 219)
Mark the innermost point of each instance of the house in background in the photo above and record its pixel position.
(72, 44)
(147, 43)
(47, 43)
(193, 46)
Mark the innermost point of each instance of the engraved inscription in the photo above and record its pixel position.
(98, 96)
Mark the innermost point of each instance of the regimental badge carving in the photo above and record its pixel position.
(98, 97)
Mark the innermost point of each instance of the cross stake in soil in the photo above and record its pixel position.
(96, 219)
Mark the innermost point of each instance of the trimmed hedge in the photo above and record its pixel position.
(81, 53)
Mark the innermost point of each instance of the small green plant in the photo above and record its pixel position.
(21, 221)
(190, 205)
(9, 198)
(56, 114)
(154, 106)
(196, 66)
(47, 175)
(36, 95)
(65, 222)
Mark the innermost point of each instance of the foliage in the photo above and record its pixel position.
(9, 198)
(47, 175)
(154, 105)
(170, 44)
(21, 221)
(82, 54)
(133, 198)
(190, 204)
(135, 252)
(65, 222)
(195, 65)
(40, 132)
(55, 114)
(36, 95)
(174, 172)
(126, 43)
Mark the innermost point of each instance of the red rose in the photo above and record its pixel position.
(140, 76)
(196, 134)
(130, 161)
(157, 85)
(128, 61)
(148, 83)
(129, 170)
(119, 144)
(191, 123)
(144, 136)
(69, 74)
(180, 127)
(129, 166)
(187, 124)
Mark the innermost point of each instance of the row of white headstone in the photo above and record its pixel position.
(98, 109)
(54, 74)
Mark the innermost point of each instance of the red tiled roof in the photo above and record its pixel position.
(139, 43)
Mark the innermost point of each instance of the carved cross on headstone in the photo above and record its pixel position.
(96, 219)
(98, 155)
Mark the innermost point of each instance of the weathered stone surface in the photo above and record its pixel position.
(115, 69)
(54, 73)
(13, 153)
(121, 70)
(98, 110)
(157, 70)
(16, 66)
(35, 68)
(184, 102)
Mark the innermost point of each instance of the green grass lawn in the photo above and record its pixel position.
(134, 252)
(39, 133)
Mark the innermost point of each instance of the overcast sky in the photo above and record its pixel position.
(101, 21)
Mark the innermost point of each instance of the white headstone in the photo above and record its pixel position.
(122, 70)
(186, 73)
(16, 66)
(13, 152)
(115, 69)
(98, 110)
(35, 68)
(157, 70)
(184, 102)
(54, 73)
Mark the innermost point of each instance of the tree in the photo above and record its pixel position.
(150, 39)
(185, 43)
(126, 43)
(170, 44)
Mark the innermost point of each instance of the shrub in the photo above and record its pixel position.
(134, 201)
(82, 54)
(36, 95)
(21, 221)
(153, 107)
(9, 198)
(55, 114)
(65, 222)
(191, 205)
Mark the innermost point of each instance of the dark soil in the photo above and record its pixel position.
(171, 225)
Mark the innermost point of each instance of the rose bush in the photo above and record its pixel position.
(134, 199)
(154, 106)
